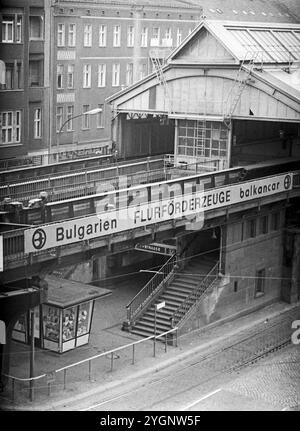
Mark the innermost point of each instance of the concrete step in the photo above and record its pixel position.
(160, 321)
(148, 324)
(181, 289)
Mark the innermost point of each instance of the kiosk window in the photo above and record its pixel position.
(84, 318)
(69, 322)
(51, 323)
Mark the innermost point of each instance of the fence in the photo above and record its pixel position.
(50, 378)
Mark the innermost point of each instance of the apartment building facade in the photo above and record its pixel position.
(24, 89)
(101, 48)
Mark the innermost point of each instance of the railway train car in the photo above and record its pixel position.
(30, 172)
(47, 212)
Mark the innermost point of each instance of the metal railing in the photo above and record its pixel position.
(151, 289)
(90, 182)
(188, 304)
(29, 188)
(89, 361)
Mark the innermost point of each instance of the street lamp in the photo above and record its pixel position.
(91, 112)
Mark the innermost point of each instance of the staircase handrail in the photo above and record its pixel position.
(193, 298)
(154, 285)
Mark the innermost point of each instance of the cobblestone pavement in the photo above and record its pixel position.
(274, 379)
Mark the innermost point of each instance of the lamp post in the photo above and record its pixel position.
(91, 112)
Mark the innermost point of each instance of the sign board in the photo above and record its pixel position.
(1, 254)
(160, 305)
(157, 248)
(108, 223)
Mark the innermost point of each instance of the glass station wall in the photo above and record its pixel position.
(202, 141)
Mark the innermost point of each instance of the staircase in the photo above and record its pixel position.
(178, 295)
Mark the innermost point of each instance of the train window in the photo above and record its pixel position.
(233, 177)
(81, 209)
(219, 180)
(60, 213)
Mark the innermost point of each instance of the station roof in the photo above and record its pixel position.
(261, 42)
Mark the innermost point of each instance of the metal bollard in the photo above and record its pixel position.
(166, 343)
(90, 370)
(133, 346)
(13, 389)
(65, 378)
(112, 361)
(49, 389)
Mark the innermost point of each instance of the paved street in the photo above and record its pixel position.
(233, 376)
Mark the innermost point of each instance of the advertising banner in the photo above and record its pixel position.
(107, 223)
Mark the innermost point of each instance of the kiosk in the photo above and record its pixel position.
(64, 321)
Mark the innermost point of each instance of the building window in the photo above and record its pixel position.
(130, 36)
(70, 82)
(129, 74)
(37, 121)
(179, 37)
(102, 35)
(19, 29)
(86, 117)
(250, 228)
(260, 282)
(72, 35)
(59, 118)
(35, 73)
(263, 225)
(101, 75)
(11, 28)
(143, 70)
(60, 76)
(100, 117)
(275, 221)
(87, 39)
(115, 75)
(19, 77)
(70, 115)
(61, 35)
(144, 37)
(155, 36)
(87, 72)
(168, 33)
(10, 127)
(117, 36)
(36, 27)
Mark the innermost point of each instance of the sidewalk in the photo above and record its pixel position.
(106, 335)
